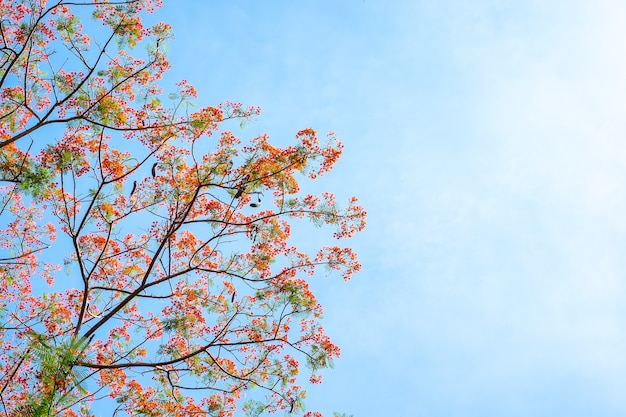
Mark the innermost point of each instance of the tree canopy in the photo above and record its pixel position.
(145, 254)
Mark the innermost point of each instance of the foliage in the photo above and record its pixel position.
(140, 274)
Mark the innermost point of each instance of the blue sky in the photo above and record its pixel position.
(486, 140)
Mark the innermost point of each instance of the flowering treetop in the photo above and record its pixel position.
(145, 251)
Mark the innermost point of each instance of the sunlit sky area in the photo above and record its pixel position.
(487, 141)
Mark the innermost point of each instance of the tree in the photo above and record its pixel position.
(140, 272)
